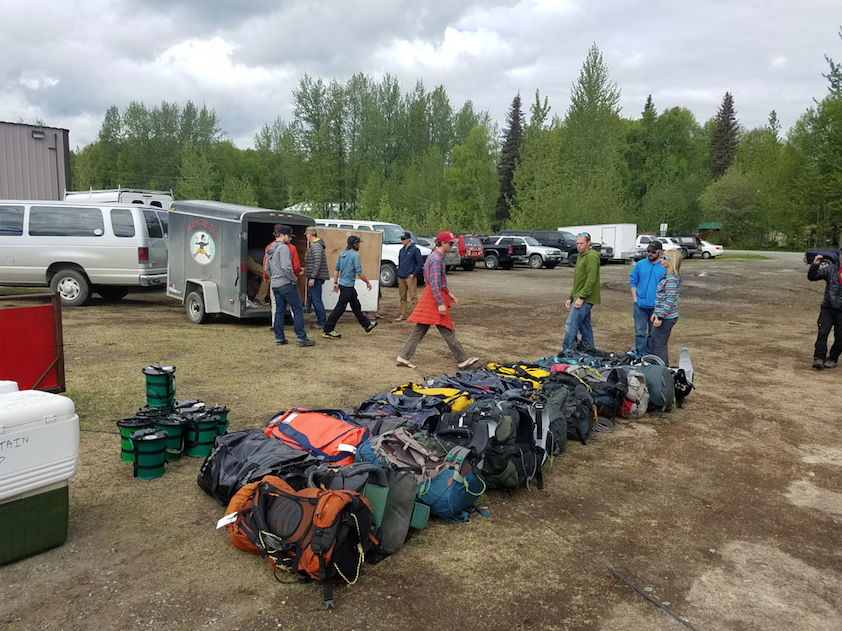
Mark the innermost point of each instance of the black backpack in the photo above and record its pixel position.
(243, 457)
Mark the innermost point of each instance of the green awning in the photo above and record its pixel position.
(710, 225)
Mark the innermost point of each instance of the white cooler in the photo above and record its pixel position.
(39, 452)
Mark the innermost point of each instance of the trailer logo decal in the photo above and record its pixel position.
(202, 247)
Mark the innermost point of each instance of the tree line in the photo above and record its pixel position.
(368, 149)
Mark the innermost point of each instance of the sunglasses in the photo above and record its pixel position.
(584, 234)
(666, 258)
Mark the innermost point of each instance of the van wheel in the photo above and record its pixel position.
(112, 294)
(492, 262)
(535, 261)
(388, 275)
(195, 307)
(72, 286)
(572, 258)
(469, 267)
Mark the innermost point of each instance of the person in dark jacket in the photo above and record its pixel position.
(315, 268)
(410, 264)
(830, 313)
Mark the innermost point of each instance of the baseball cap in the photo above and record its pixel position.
(354, 239)
(282, 229)
(406, 235)
(444, 237)
(654, 246)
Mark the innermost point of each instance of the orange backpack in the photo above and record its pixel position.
(329, 435)
(317, 533)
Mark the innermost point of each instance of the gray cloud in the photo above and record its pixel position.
(84, 57)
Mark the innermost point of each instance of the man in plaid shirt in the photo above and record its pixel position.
(434, 308)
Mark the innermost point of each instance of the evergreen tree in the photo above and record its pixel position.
(509, 159)
(725, 139)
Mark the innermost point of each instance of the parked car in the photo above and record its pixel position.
(452, 260)
(690, 244)
(501, 254)
(709, 250)
(643, 241)
(470, 251)
(78, 249)
(537, 255)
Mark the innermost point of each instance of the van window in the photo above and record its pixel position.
(369, 228)
(122, 222)
(391, 232)
(165, 221)
(346, 226)
(49, 221)
(153, 225)
(11, 221)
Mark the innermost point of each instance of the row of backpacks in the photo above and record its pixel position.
(319, 492)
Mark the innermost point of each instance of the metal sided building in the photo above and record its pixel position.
(34, 162)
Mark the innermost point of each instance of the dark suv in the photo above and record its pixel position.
(690, 244)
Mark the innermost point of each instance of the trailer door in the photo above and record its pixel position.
(336, 240)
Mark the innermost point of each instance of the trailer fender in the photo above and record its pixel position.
(210, 292)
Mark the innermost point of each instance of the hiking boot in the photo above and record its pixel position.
(819, 364)
(305, 342)
(317, 326)
(829, 363)
(280, 342)
(370, 327)
(331, 335)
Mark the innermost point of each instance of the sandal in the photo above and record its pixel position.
(468, 362)
(404, 363)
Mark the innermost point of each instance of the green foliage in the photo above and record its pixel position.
(509, 158)
(725, 139)
(197, 175)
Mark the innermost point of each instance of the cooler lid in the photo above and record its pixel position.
(33, 406)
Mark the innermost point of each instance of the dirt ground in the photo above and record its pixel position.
(725, 512)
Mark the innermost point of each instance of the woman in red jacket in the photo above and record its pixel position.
(434, 308)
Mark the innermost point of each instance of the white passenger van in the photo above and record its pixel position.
(389, 249)
(77, 249)
(158, 199)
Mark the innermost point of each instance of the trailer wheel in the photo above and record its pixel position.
(195, 307)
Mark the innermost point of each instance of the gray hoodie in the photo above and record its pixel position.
(279, 265)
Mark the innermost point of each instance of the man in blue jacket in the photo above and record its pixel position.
(410, 264)
(643, 282)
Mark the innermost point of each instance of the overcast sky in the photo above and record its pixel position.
(67, 62)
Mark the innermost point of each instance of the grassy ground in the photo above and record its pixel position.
(725, 512)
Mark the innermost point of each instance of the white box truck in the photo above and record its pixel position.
(621, 237)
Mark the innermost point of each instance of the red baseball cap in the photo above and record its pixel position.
(444, 237)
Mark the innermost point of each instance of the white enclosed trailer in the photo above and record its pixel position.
(619, 236)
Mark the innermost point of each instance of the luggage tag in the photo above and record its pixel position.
(228, 519)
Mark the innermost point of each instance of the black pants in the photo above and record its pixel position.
(347, 296)
(829, 318)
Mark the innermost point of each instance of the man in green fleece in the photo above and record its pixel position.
(585, 294)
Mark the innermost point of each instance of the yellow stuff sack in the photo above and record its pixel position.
(457, 399)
